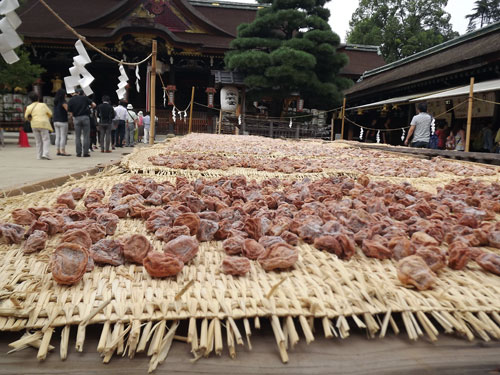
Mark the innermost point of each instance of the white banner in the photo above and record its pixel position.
(79, 76)
(8, 35)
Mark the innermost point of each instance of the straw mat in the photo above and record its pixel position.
(141, 314)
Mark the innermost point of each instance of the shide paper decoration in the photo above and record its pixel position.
(403, 135)
(361, 134)
(378, 136)
(8, 35)
(122, 84)
(79, 76)
(138, 78)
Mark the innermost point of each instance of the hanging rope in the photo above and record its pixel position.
(486, 101)
(403, 127)
(84, 40)
(266, 118)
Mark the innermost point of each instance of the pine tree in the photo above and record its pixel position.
(400, 27)
(290, 47)
(20, 74)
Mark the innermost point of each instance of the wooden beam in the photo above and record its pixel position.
(152, 126)
(343, 119)
(220, 122)
(469, 114)
(191, 111)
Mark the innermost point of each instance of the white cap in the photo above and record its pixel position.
(130, 106)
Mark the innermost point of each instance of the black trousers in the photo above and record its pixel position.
(105, 136)
(120, 133)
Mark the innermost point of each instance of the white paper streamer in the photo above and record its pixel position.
(361, 134)
(8, 35)
(290, 124)
(185, 115)
(122, 83)
(403, 135)
(79, 76)
(378, 136)
(174, 118)
(164, 97)
(138, 78)
(239, 120)
(433, 126)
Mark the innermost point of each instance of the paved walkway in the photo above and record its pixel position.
(20, 167)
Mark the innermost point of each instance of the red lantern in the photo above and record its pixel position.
(300, 105)
(210, 93)
(171, 89)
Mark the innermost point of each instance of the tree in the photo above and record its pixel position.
(485, 12)
(290, 47)
(400, 27)
(20, 74)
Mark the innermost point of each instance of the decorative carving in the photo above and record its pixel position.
(157, 7)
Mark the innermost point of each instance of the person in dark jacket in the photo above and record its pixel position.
(105, 114)
(79, 106)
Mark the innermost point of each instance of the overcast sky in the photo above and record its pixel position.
(341, 12)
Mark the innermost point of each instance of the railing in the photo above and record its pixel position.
(202, 123)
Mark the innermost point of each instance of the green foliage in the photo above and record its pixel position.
(484, 13)
(400, 27)
(290, 47)
(20, 74)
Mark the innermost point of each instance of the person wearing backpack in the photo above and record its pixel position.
(130, 125)
(105, 114)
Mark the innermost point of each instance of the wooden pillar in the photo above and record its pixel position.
(343, 120)
(152, 126)
(332, 128)
(469, 114)
(271, 125)
(297, 130)
(219, 130)
(191, 111)
(242, 111)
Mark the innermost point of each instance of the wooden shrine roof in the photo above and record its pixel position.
(179, 22)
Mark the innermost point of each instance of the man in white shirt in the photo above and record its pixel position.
(130, 124)
(420, 128)
(121, 116)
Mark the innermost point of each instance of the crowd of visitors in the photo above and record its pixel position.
(484, 136)
(96, 126)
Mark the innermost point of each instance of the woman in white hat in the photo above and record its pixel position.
(130, 125)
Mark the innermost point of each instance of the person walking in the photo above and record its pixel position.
(140, 126)
(39, 115)
(147, 123)
(130, 126)
(105, 114)
(420, 128)
(79, 106)
(61, 121)
(121, 115)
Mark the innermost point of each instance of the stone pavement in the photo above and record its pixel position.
(20, 167)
